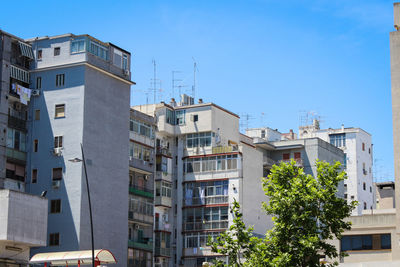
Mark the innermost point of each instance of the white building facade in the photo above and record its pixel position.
(357, 146)
(208, 164)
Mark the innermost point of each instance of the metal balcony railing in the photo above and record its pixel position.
(209, 200)
(163, 151)
(19, 74)
(194, 226)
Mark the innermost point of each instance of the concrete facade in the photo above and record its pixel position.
(23, 217)
(357, 146)
(211, 165)
(81, 82)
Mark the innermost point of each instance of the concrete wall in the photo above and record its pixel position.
(106, 144)
(252, 194)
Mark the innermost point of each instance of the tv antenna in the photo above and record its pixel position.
(244, 122)
(155, 81)
(194, 78)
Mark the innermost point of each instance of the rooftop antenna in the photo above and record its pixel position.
(154, 80)
(194, 77)
(244, 122)
(174, 80)
(262, 119)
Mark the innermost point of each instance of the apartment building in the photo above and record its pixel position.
(277, 147)
(358, 148)
(23, 217)
(82, 97)
(141, 190)
(205, 163)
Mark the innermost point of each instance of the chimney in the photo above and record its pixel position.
(291, 134)
(200, 100)
(173, 102)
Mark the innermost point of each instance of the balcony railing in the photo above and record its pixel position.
(140, 217)
(19, 74)
(16, 154)
(162, 227)
(194, 226)
(163, 201)
(209, 200)
(141, 244)
(16, 123)
(141, 191)
(162, 252)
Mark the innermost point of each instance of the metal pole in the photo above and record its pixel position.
(90, 205)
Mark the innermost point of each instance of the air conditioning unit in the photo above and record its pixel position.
(126, 72)
(56, 184)
(137, 226)
(35, 92)
(57, 151)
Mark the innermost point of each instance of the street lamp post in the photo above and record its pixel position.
(88, 193)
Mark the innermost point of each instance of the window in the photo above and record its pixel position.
(206, 193)
(60, 111)
(352, 197)
(204, 218)
(370, 189)
(170, 116)
(297, 156)
(345, 196)
(125, 62)
(57, 51)
(364, 187)
(60, 80)
(163, 188)
(77, 46)
(34, 176)
(363, 146)
(195, 118)
(338, 140)
(286, 156)
(262, 133)
(39, 54)
(58, 141)
(37, 114)
(345, 161)
(54, 239)
(55, 206)
(365, 242)
(35, 145)
(369, 150)
(180, 117)
(57, 174)
(16, 139)
(365, 205)
(141, 128)
(141, 206)
(207, 164)
(139, 151)
(198, 139)
(38, 82)
(98, 50)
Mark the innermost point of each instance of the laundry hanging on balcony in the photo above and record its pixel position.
(23, 92)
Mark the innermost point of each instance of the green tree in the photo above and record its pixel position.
(237, 243)
(307, 212)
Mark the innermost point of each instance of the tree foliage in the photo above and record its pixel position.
(307, 213)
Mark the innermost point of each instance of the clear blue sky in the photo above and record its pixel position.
(254, 56)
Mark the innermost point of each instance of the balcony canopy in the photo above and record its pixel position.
(80, 257)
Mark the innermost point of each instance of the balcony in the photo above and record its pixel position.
(146, 166)
(141, 191)
(267, 161)
(162, 252)
(163, 201)
(140, 217)
(17, 123)
(162, 227)
(163, 151)
(199, 226)
(209, 200)
(166, 176)
(144, 244)
(19, 74)
(16, 155)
